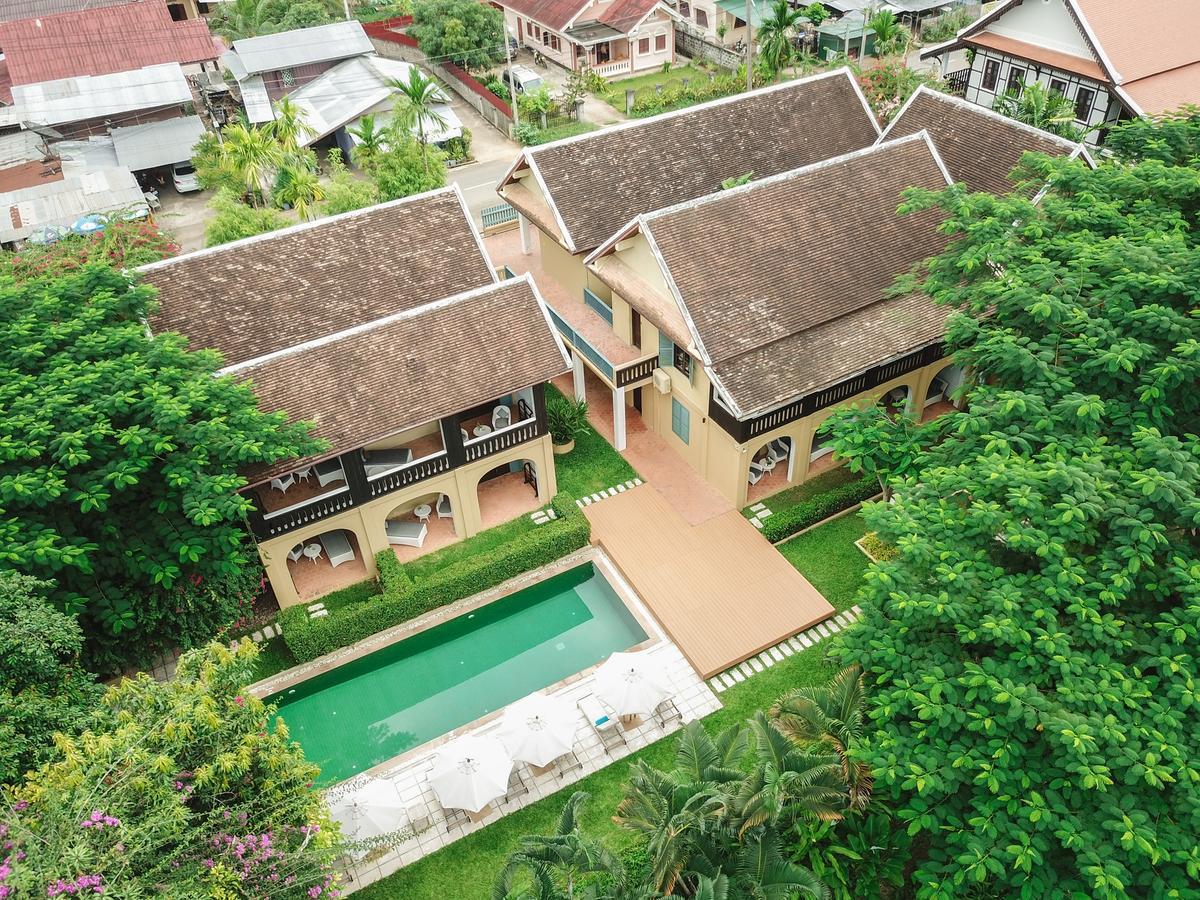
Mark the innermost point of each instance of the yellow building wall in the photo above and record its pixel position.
(367, 522)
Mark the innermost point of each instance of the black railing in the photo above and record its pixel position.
(410, 473)
(519, 433)
(266, 526)
(637, 371)
(743, 430)
(956, 82)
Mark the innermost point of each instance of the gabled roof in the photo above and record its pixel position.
(91, 97)
(788, 295)
(625, 15)
(322, 43)
(102, 42)
(266, 293)
(27, 9)
(979, 147)
(409, 368)
(554, 14)
(597, 182)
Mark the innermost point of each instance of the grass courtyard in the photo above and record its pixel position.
(467, 868)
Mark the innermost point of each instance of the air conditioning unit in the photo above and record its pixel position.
(662, 381)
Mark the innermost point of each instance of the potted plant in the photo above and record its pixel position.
(567, 419)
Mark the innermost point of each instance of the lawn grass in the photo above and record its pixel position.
(592, 466)
(641, 84)
(467, 868)
(557, 132)
(273, 657)
(807, 490)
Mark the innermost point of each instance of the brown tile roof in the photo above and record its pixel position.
(598, 182)
(1166, 92)
(555, 14)
(263, 294)
(978, 146)
(625, 14)
(533, 206)
(661, 312)
(808, 252)
(1068, 62)
(410, 368)
(102, 41)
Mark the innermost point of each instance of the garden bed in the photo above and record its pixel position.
(593, 465)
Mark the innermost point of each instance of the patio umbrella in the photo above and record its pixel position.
(89, 224)
(370, 811)
(539, 729)
(633, 684)
(470, 773)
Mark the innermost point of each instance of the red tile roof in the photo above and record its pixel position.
(101, 42)
(625, 14)
(553, 14)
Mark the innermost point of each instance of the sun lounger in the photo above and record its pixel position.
(566, 764)
(410, 534)
(376, 462)
(330, 470)
(667, 712)
(337, 546)
(607, 727)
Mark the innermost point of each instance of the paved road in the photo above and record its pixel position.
(478, 183)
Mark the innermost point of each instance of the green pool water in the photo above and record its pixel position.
(369, 710)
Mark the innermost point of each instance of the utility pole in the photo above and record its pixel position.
(749, 46)
(346, 6)
(862, 49)
(512, 88)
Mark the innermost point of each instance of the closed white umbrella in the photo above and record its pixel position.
(470, 773)
(539, 729)
(633, 684)
(374, 809)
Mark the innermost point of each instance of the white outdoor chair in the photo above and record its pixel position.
(778, 450)
(282, 484)
(757, 472)
(444, 509)
(501, 417)
(296, 552)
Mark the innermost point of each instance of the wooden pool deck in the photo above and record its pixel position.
(718, 588)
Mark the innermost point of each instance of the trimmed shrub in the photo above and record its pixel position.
(788, 521)
(405, 598)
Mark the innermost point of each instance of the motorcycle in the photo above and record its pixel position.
(539, 60)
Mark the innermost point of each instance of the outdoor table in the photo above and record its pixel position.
(313, 551)
(422, 512)
(481, 430)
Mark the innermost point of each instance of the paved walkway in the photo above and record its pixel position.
(720, 591)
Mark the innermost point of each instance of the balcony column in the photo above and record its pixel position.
(578, 376)
(618, 400)
(526, 239)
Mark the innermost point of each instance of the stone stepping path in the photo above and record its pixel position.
(542, 516)
(267, 632)
(608, 492)
(784, 649)
(759, 511)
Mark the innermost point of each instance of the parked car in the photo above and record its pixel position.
(523, 79)
(184, 176)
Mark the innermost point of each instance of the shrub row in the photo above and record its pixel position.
(787, 522)
(404, 598)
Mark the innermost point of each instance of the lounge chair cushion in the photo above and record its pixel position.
(337, 546)
(410, 534)
(377, 462)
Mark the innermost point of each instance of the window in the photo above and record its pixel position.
(681, 421)
(685, 9)
(1083, 103)
(701, 18)
(671, 354)
(660, 43)
(1016, 80)
(991, 74)
(682, 361)
(554, 42)
(643, 45)
(289, 77)
(545, 39)
(1058, 86)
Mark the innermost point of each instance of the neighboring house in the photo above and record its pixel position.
(154, 145)
(28, 9)
(103, 41)
(386, 328)
(577, 192)
(979, 147)
(767, 306)
(611, 37)
(910, 12)
(337, 100)
(272, 66)
(1113, 60)
(849, 35)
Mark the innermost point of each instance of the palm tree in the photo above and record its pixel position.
(1036, 106)
(289, 127)
(299, 187)
(416, 100)
(890, 35)
(556, 861)
(240, 19)
(763, 873)
(830, 716)
(370, 139)
(775, 36)
(250, 154)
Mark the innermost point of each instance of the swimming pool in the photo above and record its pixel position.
(376, 707)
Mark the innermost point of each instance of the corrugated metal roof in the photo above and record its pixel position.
(12, 10)
(269, 52)
(20, 147)
(101, 42)
(256, 100)
(155, 144)
(76, 99)
(62, 202)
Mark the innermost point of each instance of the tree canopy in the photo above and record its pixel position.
(119, 461)
(1033, 647)
(465, 32)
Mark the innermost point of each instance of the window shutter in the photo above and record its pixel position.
(666, 351)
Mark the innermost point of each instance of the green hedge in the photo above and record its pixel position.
(788, 521)
(404, 598)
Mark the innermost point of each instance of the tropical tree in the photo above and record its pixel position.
(1172, 139)
(251, 154)
(407, 168)
(298, 186)
(119, 461)
(556, 862)
(344, 192)
(416, 99)
(1032, 648)
(289, 129)
(879, 442)
(832, 716)
(239, 19)
(1034, 105)
(370, 141)
(890, 36)
(234, 220)
(815, 13)
(774, 36)
(465, 32)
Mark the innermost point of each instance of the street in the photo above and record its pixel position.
(478, 182)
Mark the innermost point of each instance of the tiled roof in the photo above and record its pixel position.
(11, 10)
(797, 300)
(625, 14)
(410, 368)
(554, 14)
(978, 146)
(598, 182)
(101, 42)
(1036, 53)
(263, 294)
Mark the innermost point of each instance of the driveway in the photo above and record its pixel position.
(184, 216)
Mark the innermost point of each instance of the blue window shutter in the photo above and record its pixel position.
(666, 351)
(681, 422)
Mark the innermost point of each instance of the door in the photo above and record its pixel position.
(635, 330)
(637, 398)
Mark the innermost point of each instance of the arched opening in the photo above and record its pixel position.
(820, 454)
(421, 525)
(896, 400)
(326, 562)
(939, 396)
(771, 468)
(507, 491)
